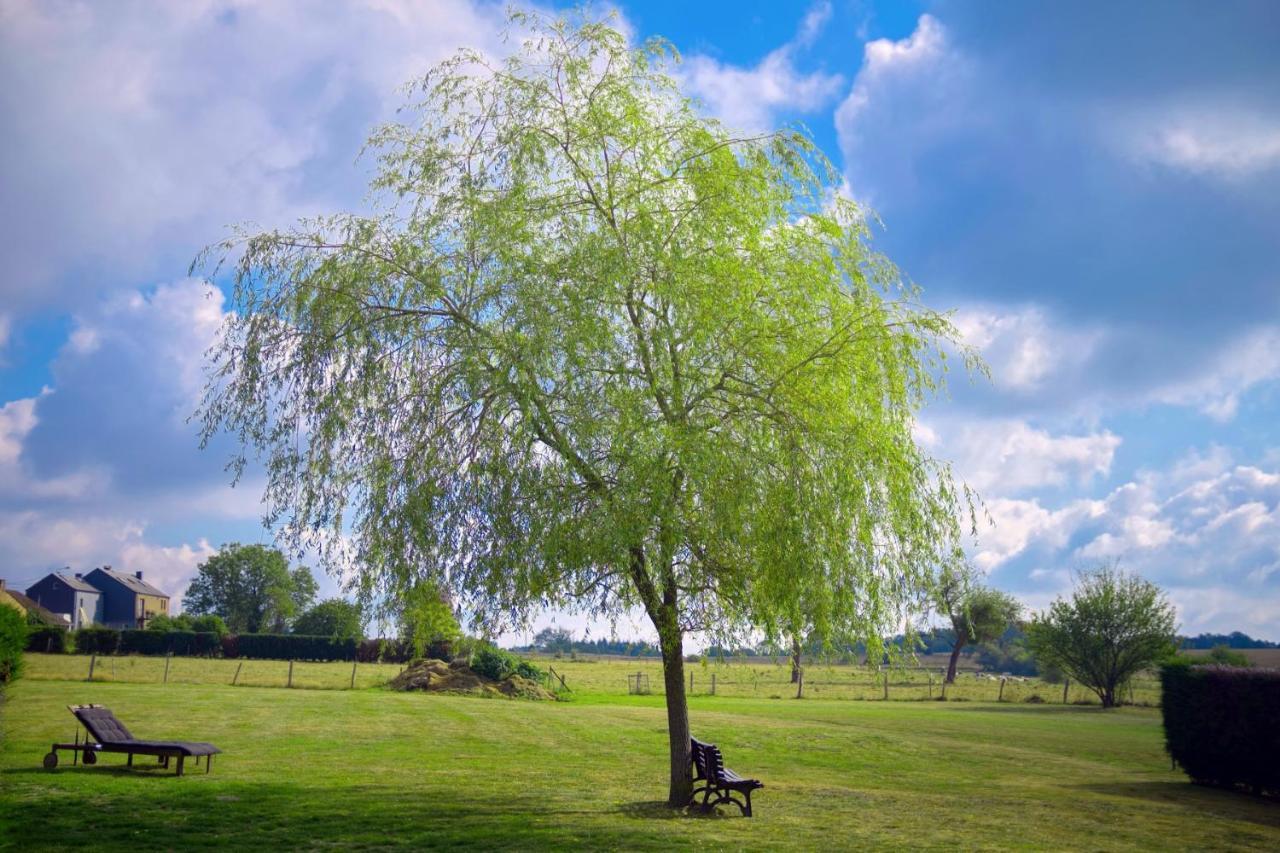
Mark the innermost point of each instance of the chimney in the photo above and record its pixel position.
(138, 575)
(1, 584)
(106, 568)
(79, 576)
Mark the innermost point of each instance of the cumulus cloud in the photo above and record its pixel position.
(1009, 456)
(1216, 385)
(886, 63)
(1022, 346)
(751, 98)
(1203, 527)
(138, 131)
(102, 467)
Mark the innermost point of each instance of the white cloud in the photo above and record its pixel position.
(138, 133)
(1210, 142)
(1206, 529)
(1023, 347)
(888, 64)
(750, 98)
(1009, 456)
(1216, 385)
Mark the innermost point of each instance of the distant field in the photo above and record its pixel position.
(374, 769)
(1257, 657)
(752, 678)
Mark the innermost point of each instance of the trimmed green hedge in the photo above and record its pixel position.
(100, 641)
(187, 643)
(1222, 723)
(290, 647)
(47, 638)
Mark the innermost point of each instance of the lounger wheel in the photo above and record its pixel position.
(90, 757)
(51, 760)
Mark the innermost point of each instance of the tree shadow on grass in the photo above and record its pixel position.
(242, 815)
(1212, 803)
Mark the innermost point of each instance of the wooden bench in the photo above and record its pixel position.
(719, 783)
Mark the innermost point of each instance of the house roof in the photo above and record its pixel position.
(78, 584)
(44, 614)
(132, 583)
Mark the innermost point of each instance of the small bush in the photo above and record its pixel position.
(48, 639)
(1222, 723)
(13, 639)
(100, 641)
(493, 662)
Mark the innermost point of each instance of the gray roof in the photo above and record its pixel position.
(132, 583)
(78, 584)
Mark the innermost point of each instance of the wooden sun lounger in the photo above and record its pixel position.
(110, 735)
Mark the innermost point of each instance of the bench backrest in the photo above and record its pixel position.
(101, 723)
(707, 760)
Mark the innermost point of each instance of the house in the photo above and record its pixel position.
(77, 603)
(127, 600)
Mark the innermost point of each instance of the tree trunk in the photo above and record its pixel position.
(955, 657)
(795, 661)
(1109, 697)
(681, 790)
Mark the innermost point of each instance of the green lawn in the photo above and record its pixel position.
(372, 768)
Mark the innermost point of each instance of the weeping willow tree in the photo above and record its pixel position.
(593, 351)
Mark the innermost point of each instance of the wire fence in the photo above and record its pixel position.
(138, 669)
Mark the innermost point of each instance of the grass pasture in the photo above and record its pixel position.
(369, 768)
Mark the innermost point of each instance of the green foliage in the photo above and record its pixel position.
(333, 617)
(426, 618)
(13, 639)
(1115, 625)
(978, 613)
(290, 647)
(1220, 723)
(48, 639)
(492, 662)
(175, 642)
(597, 351)
(1227, 657)
(97, 640)
(208, 623)
(251, 588)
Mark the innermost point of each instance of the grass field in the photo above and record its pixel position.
(757, 678)
(369, 768)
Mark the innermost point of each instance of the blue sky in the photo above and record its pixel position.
(1093, 188)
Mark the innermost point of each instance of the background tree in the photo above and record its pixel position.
(594, 351)
(334, 617)
(1115, 625)
(978, 613)
(250, 587)
(207, 622)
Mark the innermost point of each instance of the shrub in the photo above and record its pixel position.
(493, 662)
(13, 639)
(1222, 723)
(150, 642)
(47, 639)
(1228, 657)
(101, 641)
(293, 647)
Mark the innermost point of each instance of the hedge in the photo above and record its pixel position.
(1222, 723)
(47, 638)
(100, 641)
(289, 647)
(188, 643)
(13, 639)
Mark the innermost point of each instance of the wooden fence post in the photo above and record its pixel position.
(166, 669)
(690, 681)
(353, 675)
(93, 659)
(236, 677)
(930, 674)
(886, 685)
(944, 688)
(713, 684)
(290, 674)
(1000, 698)
(1066, 685)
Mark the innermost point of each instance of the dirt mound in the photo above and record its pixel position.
(456, 677)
